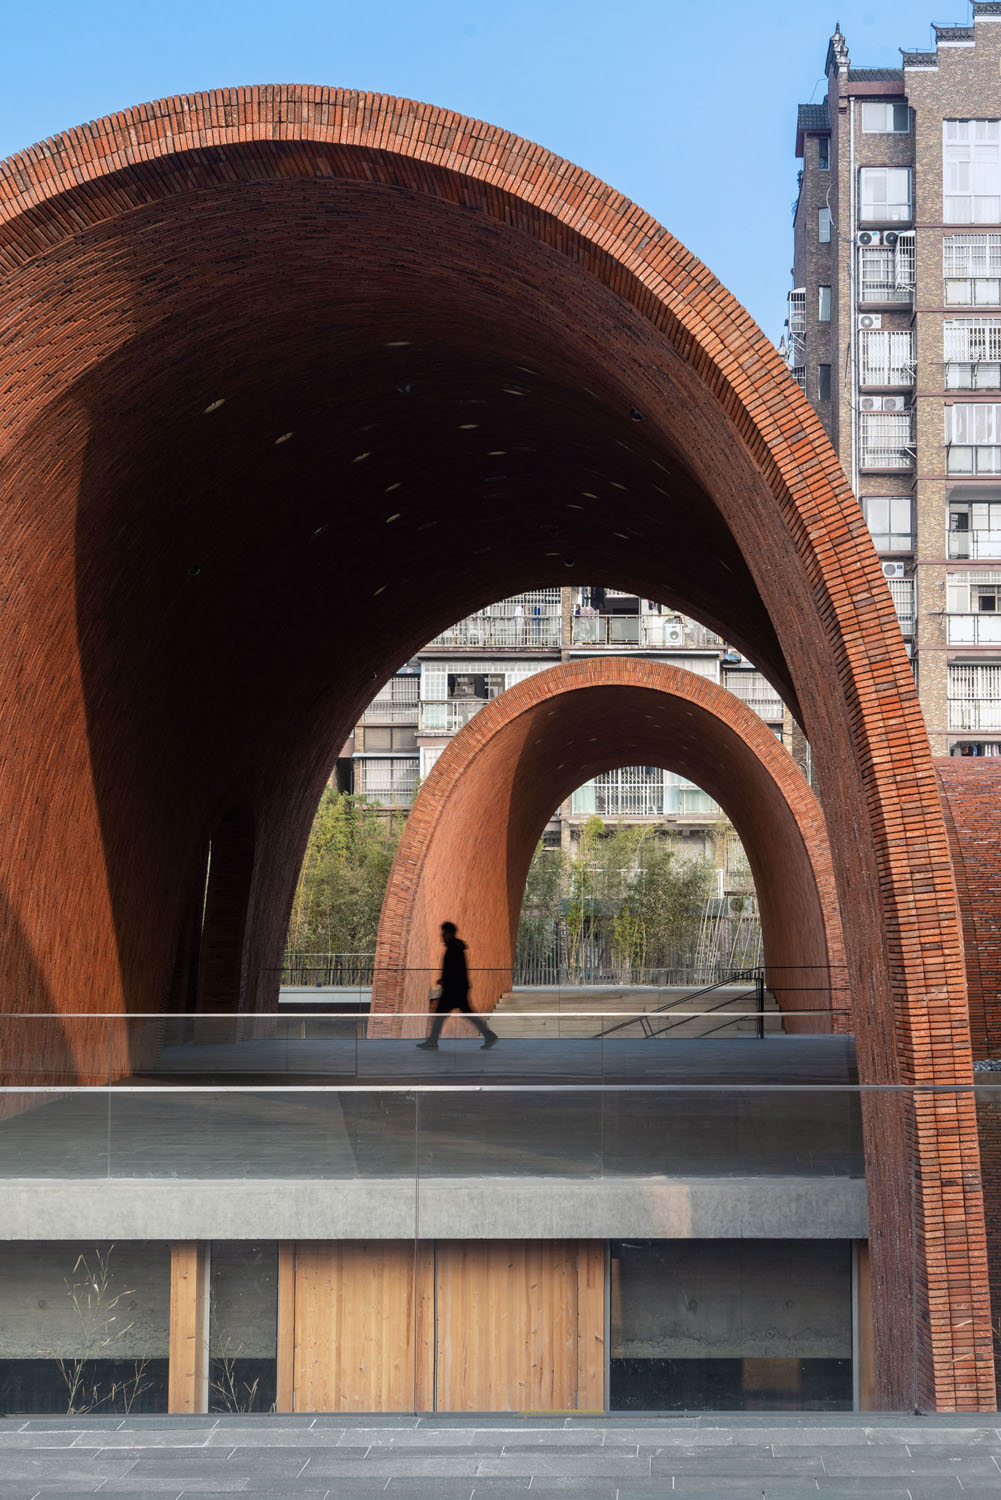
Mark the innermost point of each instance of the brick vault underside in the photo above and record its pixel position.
(293, 378)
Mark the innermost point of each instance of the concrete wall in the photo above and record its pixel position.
(732, 1299)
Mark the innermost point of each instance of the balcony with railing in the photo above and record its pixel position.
(977, 545)
(886, 440)
(391, 711)
(975, 629)
(978, 714)
(502, 632)
(645, 632)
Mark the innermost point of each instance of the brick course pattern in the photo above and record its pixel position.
(293, 377)
(469, 839)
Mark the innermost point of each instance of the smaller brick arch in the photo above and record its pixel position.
(468, 842)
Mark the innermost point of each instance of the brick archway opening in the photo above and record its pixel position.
(468, 842)
(296, 377)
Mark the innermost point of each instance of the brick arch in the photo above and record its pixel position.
(387, 299)
(468, 841)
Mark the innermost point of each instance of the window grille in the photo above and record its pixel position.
(887, 275)
(756, 691)
(887, 439)
(974, 696)
(970, 255)
(972, 353)
(902, 594)
(797, 320)
(886, 357)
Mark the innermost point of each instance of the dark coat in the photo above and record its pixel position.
(454, 979)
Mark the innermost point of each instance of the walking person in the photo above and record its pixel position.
(454, 986)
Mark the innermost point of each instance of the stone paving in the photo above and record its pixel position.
(764, 1456)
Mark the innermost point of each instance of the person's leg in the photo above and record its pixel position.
(489, 1037)
(430, 1045)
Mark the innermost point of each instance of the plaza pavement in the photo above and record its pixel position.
(763, 1456)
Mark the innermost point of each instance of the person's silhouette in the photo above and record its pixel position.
(453, 983)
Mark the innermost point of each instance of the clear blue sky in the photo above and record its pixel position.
(687, 106)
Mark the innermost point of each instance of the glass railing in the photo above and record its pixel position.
(609, 1034)
(709, 1243)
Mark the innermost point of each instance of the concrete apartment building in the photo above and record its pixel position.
(412, 718)
(895, 336)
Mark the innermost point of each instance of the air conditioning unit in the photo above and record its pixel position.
(893, 570)
(674, 633)
(869, 237)
(890, 237)
(870, 320)
(882, 403)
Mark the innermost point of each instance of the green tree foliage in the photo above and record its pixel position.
(624, 899)
(343, 877)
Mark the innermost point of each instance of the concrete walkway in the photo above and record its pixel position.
(717, 1457)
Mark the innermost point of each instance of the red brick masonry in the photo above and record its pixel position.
(468, 841)
(451, 365)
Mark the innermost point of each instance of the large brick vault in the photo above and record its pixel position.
(294, 377)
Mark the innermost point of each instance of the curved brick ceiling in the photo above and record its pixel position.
(198, 610)
(467, 844)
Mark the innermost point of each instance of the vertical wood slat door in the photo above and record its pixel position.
(520, 1325)
(362, 1341)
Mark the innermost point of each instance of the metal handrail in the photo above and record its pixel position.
(737, 976)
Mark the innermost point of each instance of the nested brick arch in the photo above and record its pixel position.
(293, 378)
(467, 844)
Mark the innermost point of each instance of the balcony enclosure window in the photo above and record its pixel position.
(973, 438)
(886, 357)
(389, 780)
(975, 528)
(971, 166)
(754, 690)
(972, 353)
(886, 273)
(885, 119)
(974, 607)
(974, 696)
(452, 692)
(641, 792)
(886, 439)
(885, 195)
(395, 702)
(971, 267)
(888, 518)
